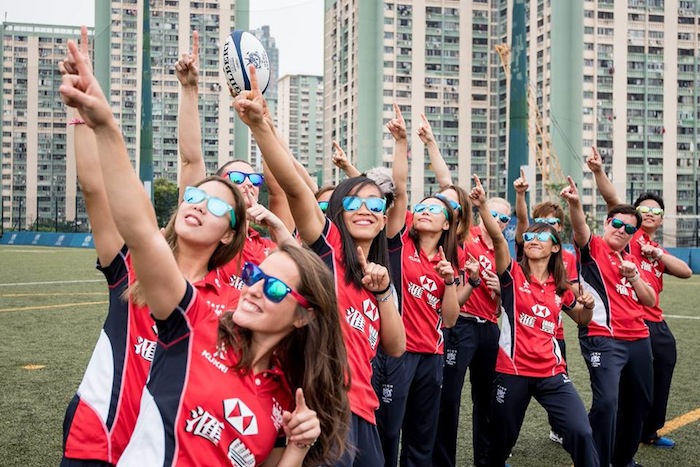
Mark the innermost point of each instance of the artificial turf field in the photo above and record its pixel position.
(53, 303)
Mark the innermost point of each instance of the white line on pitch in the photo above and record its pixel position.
(681, 316)
(52, 282)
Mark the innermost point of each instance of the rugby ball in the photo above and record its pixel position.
(242, 49)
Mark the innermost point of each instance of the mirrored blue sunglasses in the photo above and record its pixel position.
(274, 289)
(541, 236)
(354, 203)
(501, 217)
(431, 208)
(548, 220)
(216, 206)
(238, 177)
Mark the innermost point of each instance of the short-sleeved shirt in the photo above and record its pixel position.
(482, 303)
(532, 311)
(652, 272)
(569, 260)
(420, 293)
(617, 312)
(101, 417)
(196, 409)
(255, 250)
(360, 323)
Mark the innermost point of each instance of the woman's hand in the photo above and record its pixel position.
(376, 277)
(186, 69)
(302, 426)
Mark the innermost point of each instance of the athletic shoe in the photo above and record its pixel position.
(555, 437)
(660, 442)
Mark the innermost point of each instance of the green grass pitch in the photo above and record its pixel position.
(53, 303)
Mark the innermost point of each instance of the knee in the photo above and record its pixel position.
(606, 402)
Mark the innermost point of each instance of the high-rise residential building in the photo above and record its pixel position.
(429, 56)
(640, 103)
(300, 118)
(617, 75)
(118, 63)
(39, 185)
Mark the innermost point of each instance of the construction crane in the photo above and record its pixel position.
(538, 136)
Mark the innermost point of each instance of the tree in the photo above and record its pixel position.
(165, 198)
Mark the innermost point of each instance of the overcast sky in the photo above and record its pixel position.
(296, 25)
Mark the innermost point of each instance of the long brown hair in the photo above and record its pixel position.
(555, 266)
(463, 215)
(448, 238)
(312, 357)
(223, 252)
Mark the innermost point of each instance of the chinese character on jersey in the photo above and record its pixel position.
(146, 348)
(205, 425)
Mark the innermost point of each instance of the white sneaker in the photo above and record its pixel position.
(555, 437)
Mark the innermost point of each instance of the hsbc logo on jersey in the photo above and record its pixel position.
(428, 284)
(485, 262)
(240, 417)
(370, 309)
(541, 311)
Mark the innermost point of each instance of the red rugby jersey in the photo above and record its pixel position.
(652, 271)
(360, 325)
(482, 302)
(420, 293)
(532, 311)
(569, 260)
(102, 415)
(617, 311)
(196, 410)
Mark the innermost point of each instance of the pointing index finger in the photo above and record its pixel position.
(300, 399)
(84, 40)
(253, 74)
(572, 184)
(522, 173)
(361, 258)
(195, 45)
(477, 181)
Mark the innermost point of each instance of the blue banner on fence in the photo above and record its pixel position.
(75, 240)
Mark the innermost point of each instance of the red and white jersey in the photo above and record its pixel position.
(420, 293)
(101, 417)
(360, 324)
(652, 272)
(617, 311)
(531, 314)
(569, 260)
(255, 250)
(482, 302)
(196, 410)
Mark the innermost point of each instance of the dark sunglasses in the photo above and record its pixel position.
(354, 203)
(647, 209)
(453, 204)
(541, 236)
(629, 228)
(216, 206)
(548, 220)
(274, 289)
(431, 208)
(501, 217)
(238, 177)
(323, 205)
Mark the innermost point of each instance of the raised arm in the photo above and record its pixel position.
(500, 246)
(521, 186)
(582, 233)
(308, 217)
(189, 132)
(605, 186)
(397, 214)
(155, 266)
(108, 242)
(442, 172)
(342, 162)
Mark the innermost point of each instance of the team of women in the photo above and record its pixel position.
(346, 338)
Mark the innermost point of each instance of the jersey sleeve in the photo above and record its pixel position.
(118, 268)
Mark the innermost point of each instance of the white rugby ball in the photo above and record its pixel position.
(241, 50)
